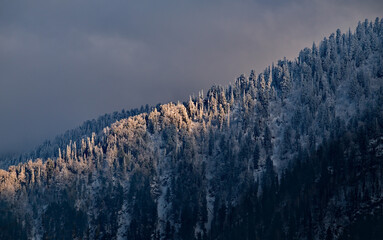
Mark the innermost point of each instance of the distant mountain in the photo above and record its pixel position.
(295, 152)
(50, 148)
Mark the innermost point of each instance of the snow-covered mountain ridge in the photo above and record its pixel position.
(291, 153)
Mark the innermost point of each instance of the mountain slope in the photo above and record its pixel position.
(50, 148)
(291, 153)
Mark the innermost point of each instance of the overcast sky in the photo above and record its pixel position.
(64, 62)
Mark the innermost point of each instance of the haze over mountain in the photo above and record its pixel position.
(63, 62)
(294, 152)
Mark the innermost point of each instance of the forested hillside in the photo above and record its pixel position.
(50, 148)
(294, 152)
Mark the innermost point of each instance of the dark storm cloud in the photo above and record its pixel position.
(63, 62)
